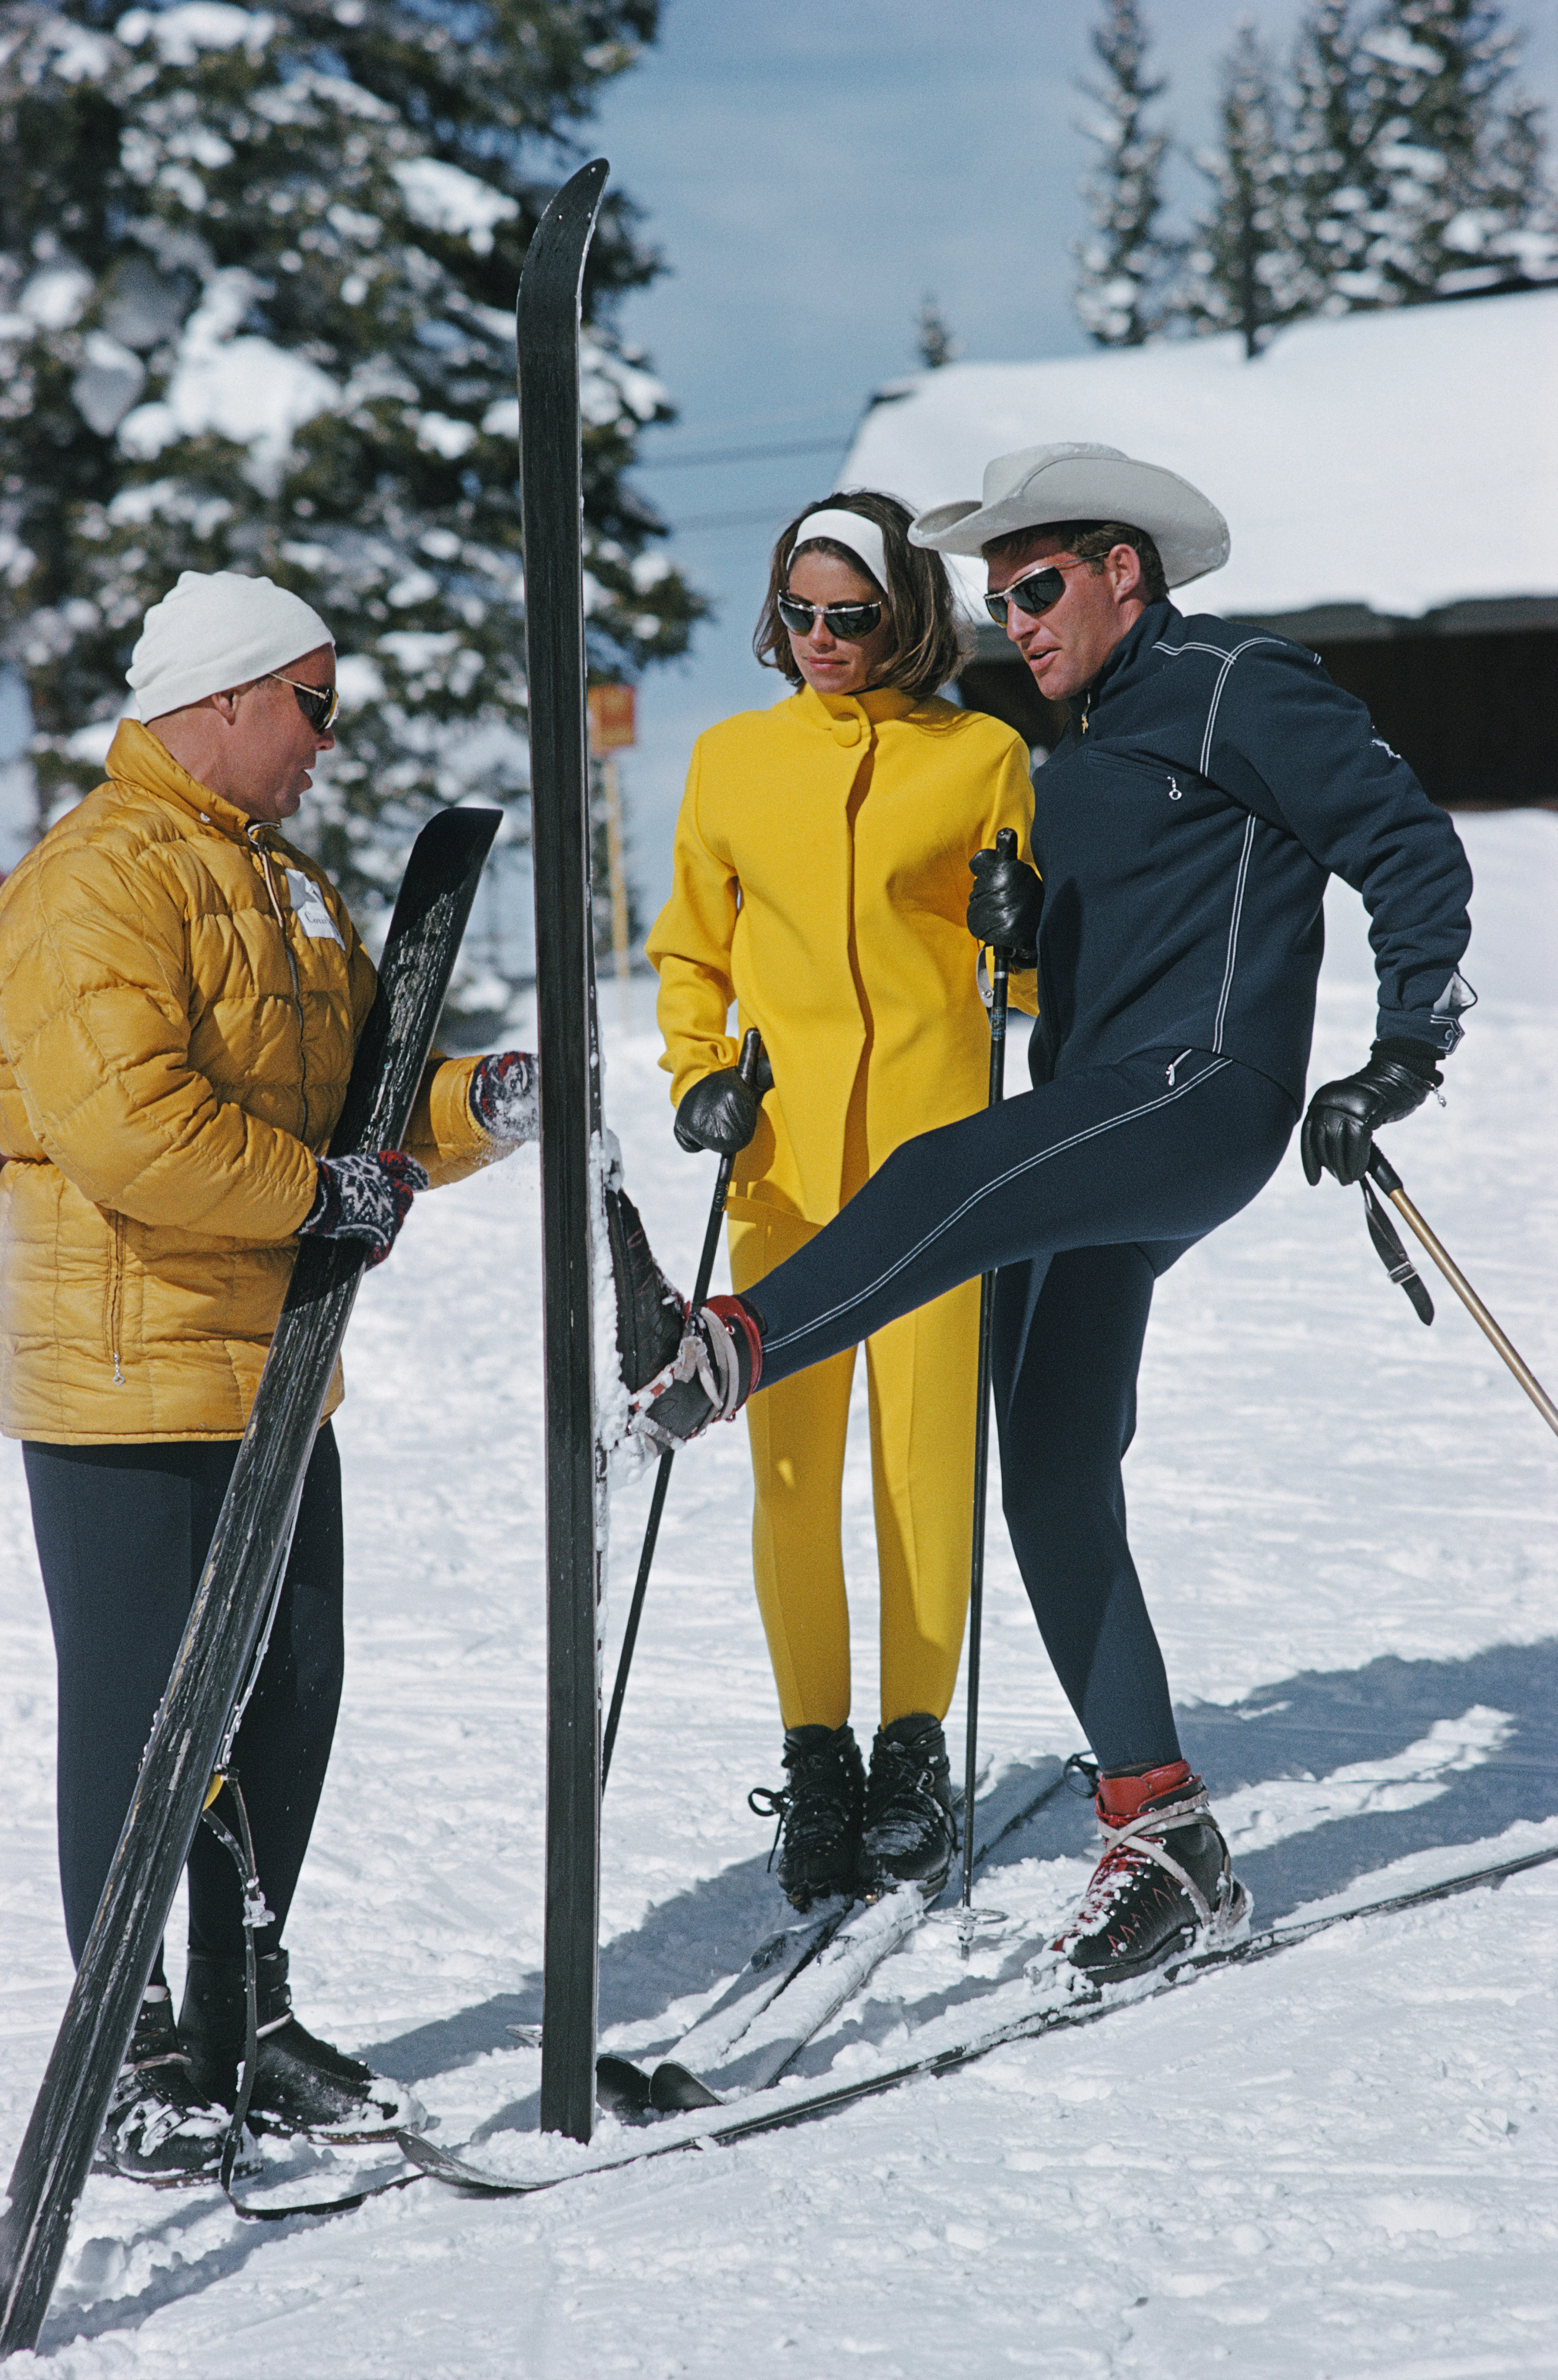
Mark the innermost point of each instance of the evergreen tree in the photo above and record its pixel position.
(1126, 264)
(1243, 273)
(1455, 187)
(1325, 199)
(257, 276)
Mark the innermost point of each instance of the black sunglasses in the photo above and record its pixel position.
(318, 704)
(849, 621)
(1033, 594)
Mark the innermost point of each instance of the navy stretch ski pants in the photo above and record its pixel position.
(1078, 1193)
(123, 1533)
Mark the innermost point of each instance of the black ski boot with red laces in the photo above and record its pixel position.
(1164, 1886)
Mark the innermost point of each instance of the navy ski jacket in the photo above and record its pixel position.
(1212, 778)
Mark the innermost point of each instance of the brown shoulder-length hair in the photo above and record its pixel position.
(924, 649)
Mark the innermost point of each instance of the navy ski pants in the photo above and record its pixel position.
(123, 1533)
(1078, 1193)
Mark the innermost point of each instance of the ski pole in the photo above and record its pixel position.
(1000, 967)
(746, 1067)
(1389, 1179)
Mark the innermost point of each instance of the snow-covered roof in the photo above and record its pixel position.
(1404, 461)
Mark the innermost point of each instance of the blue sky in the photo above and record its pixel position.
(809, 176)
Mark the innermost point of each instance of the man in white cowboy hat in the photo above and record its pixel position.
(1211, 779)
(180, 996)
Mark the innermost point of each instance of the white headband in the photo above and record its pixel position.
(217, 629)
(861, 536)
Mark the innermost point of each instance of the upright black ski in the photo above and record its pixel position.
(253, 1534)
(551, 487)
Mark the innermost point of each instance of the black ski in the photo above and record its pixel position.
(546, 331)
(253, 1534)
(1063, 2015)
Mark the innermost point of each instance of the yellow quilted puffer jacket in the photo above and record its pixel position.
(180, 996)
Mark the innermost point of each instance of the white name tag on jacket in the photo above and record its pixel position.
(308, 907)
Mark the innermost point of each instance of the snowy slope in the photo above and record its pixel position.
(1339, 2163)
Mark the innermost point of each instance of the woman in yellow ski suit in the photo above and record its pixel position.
(821, 879)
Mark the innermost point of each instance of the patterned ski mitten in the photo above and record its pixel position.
(365, 1198)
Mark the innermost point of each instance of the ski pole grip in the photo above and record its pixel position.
(1000, 955)
(1382, 1171)
(752, 1054)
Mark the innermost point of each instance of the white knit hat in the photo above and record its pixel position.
(1072, 480)
(216, 630)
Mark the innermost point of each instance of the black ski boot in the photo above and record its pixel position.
(682, 1371)
(161, 2127)
(819, 1812)
(651, 1315)
(1165, 1884)
(911, 1832)
(300, 2085)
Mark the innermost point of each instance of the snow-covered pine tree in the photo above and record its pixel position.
(1325, 200)
(1243, 274)
(1125, 264)
(257, 272)
(1455, 193)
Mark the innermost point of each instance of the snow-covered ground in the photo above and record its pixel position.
(1341, 2162)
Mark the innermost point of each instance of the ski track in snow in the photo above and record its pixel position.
(1342, 2162)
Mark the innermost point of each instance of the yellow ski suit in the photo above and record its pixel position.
(821, 879)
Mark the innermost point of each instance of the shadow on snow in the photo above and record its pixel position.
(1308, 1727)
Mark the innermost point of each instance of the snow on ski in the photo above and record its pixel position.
(720, 2053)
(1065, 2002)
(546, 335)
(253, 1534)
(628, 2089)
(842, 1967)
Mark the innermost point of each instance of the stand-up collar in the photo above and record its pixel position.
(1138, 640)
(850, 718)
(136, 758)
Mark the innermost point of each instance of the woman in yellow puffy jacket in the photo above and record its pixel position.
(821, 882)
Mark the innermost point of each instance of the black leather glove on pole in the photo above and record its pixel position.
(1005, 905)
(720, 1112)
(1344, 1116)
(365, 1198)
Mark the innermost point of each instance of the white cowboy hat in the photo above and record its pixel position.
(1072, 481)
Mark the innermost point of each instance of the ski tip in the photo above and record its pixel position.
(622, 2088)
(676, 2088)
(563, 235)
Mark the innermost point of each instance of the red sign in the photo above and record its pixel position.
(610, 718)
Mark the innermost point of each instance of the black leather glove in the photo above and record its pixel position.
(1005, 905)
(720, 1112)
(364, 1198)
(505, 1096)
(1344, 1116)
